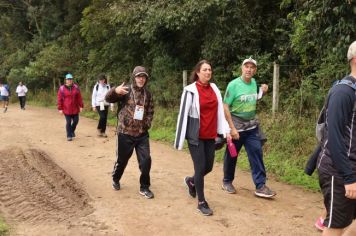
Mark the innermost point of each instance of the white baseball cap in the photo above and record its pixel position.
(249, 60)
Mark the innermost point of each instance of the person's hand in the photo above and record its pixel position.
(234, 134)
(94, 109)
(122, 89)
(60, 112)
(228, 137)
(80, 109)
(350, 191)
(112, 108)
(264, 88)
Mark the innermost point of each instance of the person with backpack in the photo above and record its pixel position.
(240, 111)
(70, 104)
(5, 94)
(101, 88)
(336, 162)
(135, 114)
(21, 91)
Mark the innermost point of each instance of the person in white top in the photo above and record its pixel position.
(21, 91)
(100, 105)
(4, 95)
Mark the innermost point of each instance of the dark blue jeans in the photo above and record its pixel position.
(253, 148)
(72, 121)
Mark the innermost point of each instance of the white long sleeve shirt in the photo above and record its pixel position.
(98, 95)
(21, 90)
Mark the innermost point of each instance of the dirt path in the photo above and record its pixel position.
(49, 186)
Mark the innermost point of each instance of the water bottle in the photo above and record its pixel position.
(232, 149)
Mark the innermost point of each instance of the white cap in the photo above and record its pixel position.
(249, 60)
(351, 53)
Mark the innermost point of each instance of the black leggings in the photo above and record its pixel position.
(203, 160)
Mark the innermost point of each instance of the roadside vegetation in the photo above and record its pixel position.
(4, 230)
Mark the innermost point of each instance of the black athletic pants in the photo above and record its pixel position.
(125, 147)
(203, 159)
(22, 100)
(103, 117)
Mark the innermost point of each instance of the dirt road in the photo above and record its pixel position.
(49, 186)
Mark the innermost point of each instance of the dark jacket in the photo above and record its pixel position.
(126, 103)
(338, 153)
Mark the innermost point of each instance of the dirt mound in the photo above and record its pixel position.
(35, 189)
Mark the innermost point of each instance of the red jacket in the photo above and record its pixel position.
(69, 100)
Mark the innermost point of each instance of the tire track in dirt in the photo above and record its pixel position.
(35, 189)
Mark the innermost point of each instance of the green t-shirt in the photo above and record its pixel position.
(241, 98)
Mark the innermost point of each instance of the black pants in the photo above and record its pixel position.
(203, 159)
(125, 147)
(103, 117)
(71, 125)
(22, 100)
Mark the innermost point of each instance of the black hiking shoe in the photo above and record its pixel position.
(204, 209)
(191, 188)
(115, 185)
(265, 192)
(146, 192)
(228, 187)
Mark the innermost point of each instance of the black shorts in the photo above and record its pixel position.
(340, 210)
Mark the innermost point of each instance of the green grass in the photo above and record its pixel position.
(4, 229)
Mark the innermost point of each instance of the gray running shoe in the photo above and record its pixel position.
(69, 138)
(115, 185)
(204, 209)
(265, 192)
(228, 187)
(191, 188)
(146, 192)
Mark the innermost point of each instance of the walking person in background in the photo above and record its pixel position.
(70, 103)
(200, 120)
(337, 159)
(101, 88)
(134, 120)
(240, 112)
(21, 91)
(5, 95)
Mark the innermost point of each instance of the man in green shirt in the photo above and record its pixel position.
(240, 112)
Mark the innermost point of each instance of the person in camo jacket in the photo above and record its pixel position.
(135, 104)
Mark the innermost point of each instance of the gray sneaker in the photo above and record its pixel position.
(146, 192)
(265, 192)
(204, 209)
(116, 185)
(228, 187)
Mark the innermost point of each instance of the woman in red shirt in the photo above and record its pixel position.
(200, 120)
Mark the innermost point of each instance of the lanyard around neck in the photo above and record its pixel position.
(144, 95)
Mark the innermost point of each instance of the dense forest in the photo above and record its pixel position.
(41, 40)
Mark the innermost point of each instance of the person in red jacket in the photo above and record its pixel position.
(70, 103)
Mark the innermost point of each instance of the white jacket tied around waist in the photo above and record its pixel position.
(98, 96)
(189, 112)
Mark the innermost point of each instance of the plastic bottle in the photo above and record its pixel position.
(232, 149)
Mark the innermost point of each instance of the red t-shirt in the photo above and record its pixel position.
(208, 111)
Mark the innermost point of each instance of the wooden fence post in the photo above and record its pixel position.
(275, 99)
(185, 78)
